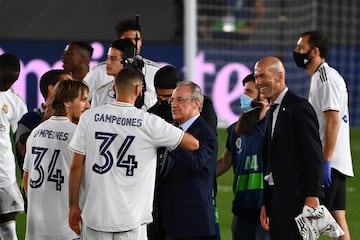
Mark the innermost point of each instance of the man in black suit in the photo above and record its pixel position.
(165, 81)
(292, 153)
(186, 184)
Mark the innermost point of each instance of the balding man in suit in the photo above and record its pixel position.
(292, 153)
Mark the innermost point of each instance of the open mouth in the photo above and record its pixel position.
(263, 89)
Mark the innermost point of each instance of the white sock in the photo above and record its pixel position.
(8, 230)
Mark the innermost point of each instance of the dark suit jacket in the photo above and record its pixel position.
(295, 158)
(208, 113)
(185, 201)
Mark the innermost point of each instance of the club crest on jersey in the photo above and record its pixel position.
(2, 127)
(5, 108)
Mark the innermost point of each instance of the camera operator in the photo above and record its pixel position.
(120, 55)
(125, 29)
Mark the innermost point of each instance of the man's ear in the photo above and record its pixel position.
(114, 90)
(67, 104)
(281, 75)
(198, 103)
(50, 88)
(316, 51)
(138, 90)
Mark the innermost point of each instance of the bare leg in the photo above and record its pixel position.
(340, 218)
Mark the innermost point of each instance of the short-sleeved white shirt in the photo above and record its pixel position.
(97, 77)
(105, 94)
(119, 142)
(12, 108)
(328, 92)
(48, 160)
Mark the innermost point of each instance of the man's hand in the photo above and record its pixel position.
(312, 202)
(75, 219)
(264, 220)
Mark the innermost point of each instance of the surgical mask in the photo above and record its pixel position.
(302, 59)
(248, 104)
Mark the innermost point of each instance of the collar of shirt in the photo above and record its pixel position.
(59, 118)
(321, 64)
(185, 126)
(121, 104)
(279, 99)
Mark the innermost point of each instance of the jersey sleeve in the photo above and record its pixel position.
(149, 71)
(328, 94)
(165, 134)
(19, 111)
(78, 141)
(229, 134)
(27, 158)
(96, 78)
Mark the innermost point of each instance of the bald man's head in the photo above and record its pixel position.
(269, 73)
(273, 64)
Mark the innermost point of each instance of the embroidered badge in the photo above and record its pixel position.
(5, 108)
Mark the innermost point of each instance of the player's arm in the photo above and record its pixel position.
(224, 162)
(264, 219)
(76, 171)
(331, 132)
(189, 142)
(26, 180)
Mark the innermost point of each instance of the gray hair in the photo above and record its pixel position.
(196, 92)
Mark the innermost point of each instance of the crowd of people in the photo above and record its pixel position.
(130, 150)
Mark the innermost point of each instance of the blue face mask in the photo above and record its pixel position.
(245, 104)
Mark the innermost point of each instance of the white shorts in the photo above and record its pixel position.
(11, 199)
(134, 234)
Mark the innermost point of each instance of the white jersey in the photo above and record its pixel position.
(97, 77)
(105, 94)
(328, 92)
(12, 108)
(119, 142)
(48, 160)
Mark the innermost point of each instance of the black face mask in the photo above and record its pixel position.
(164, 104)
(302, 59)
(163, 109)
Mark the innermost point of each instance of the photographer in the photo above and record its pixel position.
(120, 55)
(129, 29)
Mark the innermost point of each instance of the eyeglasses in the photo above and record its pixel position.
(180, 100)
